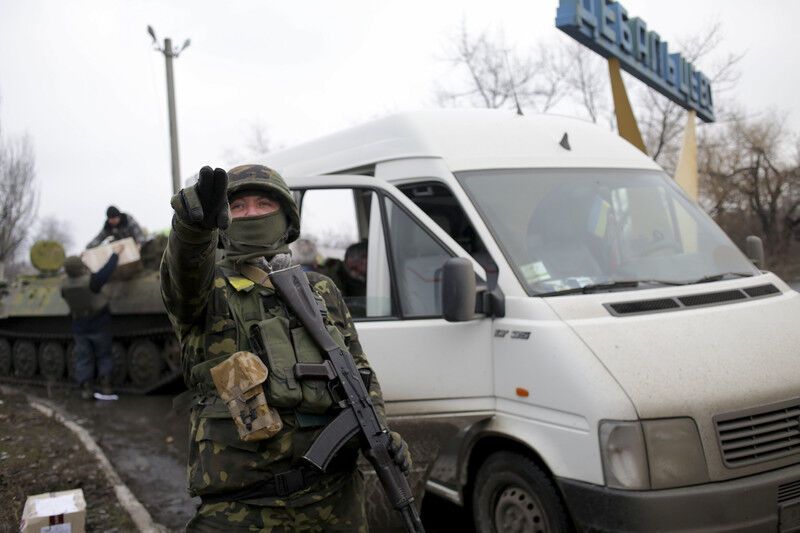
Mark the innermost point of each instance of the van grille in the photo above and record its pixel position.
(636, 307)
(789, 491)
(761, 290)
(759, 435)
(644, 306)
(710, 298)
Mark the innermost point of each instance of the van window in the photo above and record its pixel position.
(417, 261)
(334, 241)
(564, 229)
(439, 203)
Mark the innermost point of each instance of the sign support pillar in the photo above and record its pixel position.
(686, 171)
(626, 121)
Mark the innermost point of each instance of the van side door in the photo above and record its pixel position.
(436, 376)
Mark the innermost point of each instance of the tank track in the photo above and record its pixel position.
(147, 360)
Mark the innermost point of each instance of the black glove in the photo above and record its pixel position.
(399, 451)
(205, 203)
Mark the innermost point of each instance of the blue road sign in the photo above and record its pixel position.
(604, 26)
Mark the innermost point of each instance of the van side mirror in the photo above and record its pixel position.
(459, 292)
(755, 251)
(463, 298)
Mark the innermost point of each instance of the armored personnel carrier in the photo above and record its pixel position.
(35, 341)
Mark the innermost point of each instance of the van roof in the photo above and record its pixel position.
(466, 139)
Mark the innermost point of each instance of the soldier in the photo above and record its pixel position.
(354, 278)
(91, 322)
(304, 253)
(118, 225)
(255, 485)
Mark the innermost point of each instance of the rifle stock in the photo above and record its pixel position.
(358, 416)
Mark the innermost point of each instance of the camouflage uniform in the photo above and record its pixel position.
(205, 302)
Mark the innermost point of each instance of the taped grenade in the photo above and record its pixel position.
(239, 381)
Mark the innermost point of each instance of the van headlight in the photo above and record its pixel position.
(652, 454)
(624, 455)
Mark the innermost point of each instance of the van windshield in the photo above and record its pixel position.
(580, 230)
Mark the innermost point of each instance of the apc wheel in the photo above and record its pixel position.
(5, 357)
(146, 364)
(51, 360)
(171, 353)
(24, 355)
(513, 495)
(120, 357)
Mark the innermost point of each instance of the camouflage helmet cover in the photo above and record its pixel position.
(261, 178)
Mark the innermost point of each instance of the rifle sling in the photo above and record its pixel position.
(255, 274)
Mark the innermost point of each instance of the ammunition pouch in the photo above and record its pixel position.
(239, 380)
(283, 349)
(270, 339)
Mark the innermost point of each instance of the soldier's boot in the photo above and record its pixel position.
(105, 386)
(87, 391)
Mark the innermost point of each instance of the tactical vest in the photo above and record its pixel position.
(82, 302)
(238, 310)
(242, 315)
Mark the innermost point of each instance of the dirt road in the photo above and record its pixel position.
(146, 443)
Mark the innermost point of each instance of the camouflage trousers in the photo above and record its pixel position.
(341, 511)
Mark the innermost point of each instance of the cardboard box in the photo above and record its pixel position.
(129, 263)
(54, 512)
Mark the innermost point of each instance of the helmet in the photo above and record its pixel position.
(74, 267)
(264, 179)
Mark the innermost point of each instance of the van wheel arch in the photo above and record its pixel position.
(489, 446)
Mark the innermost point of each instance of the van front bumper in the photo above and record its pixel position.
(746, 504)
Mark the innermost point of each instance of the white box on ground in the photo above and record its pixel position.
(95, 258)
(54, 512)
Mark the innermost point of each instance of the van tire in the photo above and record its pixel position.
(513, 494)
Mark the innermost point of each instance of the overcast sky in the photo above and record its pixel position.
(83, 81)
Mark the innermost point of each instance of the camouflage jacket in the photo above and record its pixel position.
(198, 295)
(127, 227)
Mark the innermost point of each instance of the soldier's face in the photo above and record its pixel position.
(252, 205)
(114, 221)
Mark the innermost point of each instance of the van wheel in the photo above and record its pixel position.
(513, 495)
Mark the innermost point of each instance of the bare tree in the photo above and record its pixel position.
(662, 120)
(495, 75)
(257, 145)
(51, 228)
(569, 74)
(748, 170)
(586, 77)
(334, 238)
(18, 198)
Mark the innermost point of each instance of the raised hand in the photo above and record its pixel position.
(205, 203)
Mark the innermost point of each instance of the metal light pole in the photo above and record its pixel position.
(169, 53)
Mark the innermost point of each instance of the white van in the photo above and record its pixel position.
(598, 354)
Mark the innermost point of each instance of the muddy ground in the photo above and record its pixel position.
(37, 455)
(146, 442)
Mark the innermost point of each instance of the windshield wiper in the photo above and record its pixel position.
(719, 277)
(610, 286)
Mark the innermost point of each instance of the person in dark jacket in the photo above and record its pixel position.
(91, 322)
(118, 226)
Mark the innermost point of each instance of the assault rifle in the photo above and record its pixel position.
(357, 415)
